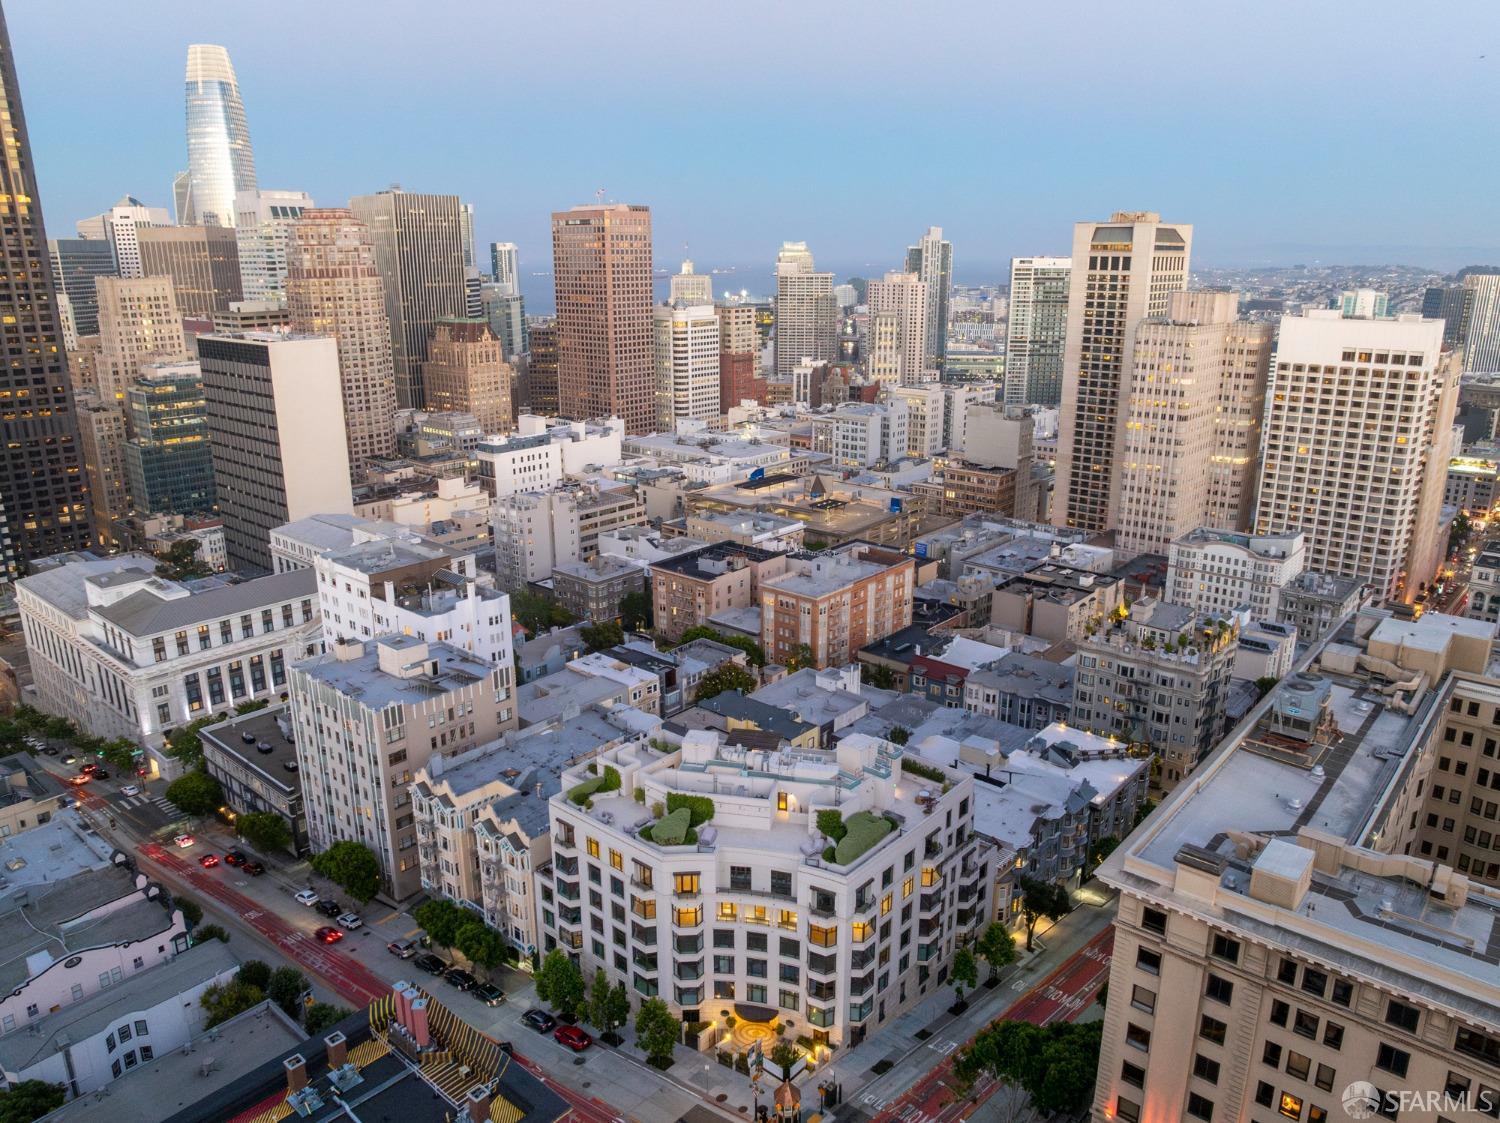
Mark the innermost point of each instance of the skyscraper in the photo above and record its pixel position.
(606, 361)
(263, 233)
(541, 368)
(504, 267)
(1367, 489)
(101, 436)
(506, 312)
(1482, 341)
(898, 345)
(467, 373)
(1123, 271)
(419, 249)
(182, 199)
(931, 259)
(42, 504)
(1452, 304)
(333, 287)
(739, 356)
(168, 464)
(120, 226)
(687, 364)
(220, 161)
(687, 287)
(1038, 330)
(203, 262)
(75, 264)
(139, 321)
(806, 313)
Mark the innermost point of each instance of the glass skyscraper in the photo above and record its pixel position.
(168, 462)
(220, 161)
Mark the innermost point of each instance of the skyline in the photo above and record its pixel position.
(1019, 117)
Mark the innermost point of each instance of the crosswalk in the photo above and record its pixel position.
(161, 803)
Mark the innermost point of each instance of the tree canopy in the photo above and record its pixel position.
(181, 562)
(996, 946)
(728, 676)
(560, 983)
(1055, 1064)
(196, 793)
(1041, 899)
(30, 1099)
(264, 830)
(537, 613)
(223, 1001)
(656, 1031)
(352, 866)
(441, 919)
(286, 988)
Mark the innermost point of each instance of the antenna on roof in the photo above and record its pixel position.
(599, 196)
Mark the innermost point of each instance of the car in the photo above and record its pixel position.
(307, 897)
(208, 861)
(254, 869)
(458, 977)
(66, 801)
(350, 920)
(69, 758)
(100, 774)
(90, 769)
(50, 750)
(489, 994)
(539, 1020)
(37, 743)
(329, 907)
(183, 841)
(573, 1037)
(79, 780)
(327, 935)
(402, 949)
(234, 858)
(432, 964)
(130, 789)
(506, 1047)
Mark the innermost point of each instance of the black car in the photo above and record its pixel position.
(329, 907)
(431, 964)
(100, 774)
(489, 994)
(458, 977)
(539, 1020)
(253, 868)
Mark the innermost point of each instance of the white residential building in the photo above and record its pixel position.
(926, 412)
(861, 434)
(1217, 571)
(537, 531)
(806, 315)
(1037, 329)
(120, 225)
(263, 234)
(544, 450)
(899, 341)
(710, 457)
(687, 363)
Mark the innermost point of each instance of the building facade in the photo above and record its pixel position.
(1218, 571)
(806, 313)
(202, 261)
(263, 237)
(687, 364)
(221, 162)
(1037, 331)
(168, 464)
(835, 603)
(467, 372)
(899, 340)
(931, 259)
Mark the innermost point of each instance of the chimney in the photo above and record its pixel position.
(398, 995)
(338, 1049)
(418, 1024)
(296, 1073)
(478, 1103)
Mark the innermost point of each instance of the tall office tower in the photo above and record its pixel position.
(120, 226)
(182, 199)
(1358, 433)
(467, 373)
(1038, 330)
(931, 259)
(75, 264)
(904, 297)
(687, 364)
(168, 464)
(1363, 304)
(542, 369)
(101, 437)
(806, 313)
(334, 288)
(687, 287)
(203, 262)
(506, 313)
(606, 361)
(739, 356)
(1482, 340)
(419, 249)
(505, 268)
(138, 321)
(1453, 304)
(1123, 271)
(473, 293)
(263, 234)
(274, 406)
(220, 162)
(1191, 423)
(43, 509)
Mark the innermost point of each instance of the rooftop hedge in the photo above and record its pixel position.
(862, 831)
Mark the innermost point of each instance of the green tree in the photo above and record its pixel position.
(560, 983)
(880, 677)
(635, 612)
(287, 988)
(781, 1058)
(254, 973)
(196, 794)
(1459, 531)
(264, 830)
(1041, 899)
(599, 636)
(965, 974)
(119, 753)
(210, 932)
(597, 1014)
(30, 1099)
(184, 745)
(1145, 808)
(728, 676)
(899, 735)
(191, 910)
(481, 944)
(250, 706)
(536, 613)
(323, 1016)
(996, 946)
(618, 1012)
(802, 656)
(223, 1001)
(753, 651)
(656, 1031)
(351, 865)
(1265, 684)
(441, 919)
(1065, 1071)
(181, 562)
(1100, 849)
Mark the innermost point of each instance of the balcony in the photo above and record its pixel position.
(645, 962)
(933, 848)
(688, 970)
(822, 964)
(568, 890)
(570, 916)
(928, 902)
(824, 906)
(927, 952)
(564, 842)
(862, 959)
(568, 866)
(642, 883)
(643, 935)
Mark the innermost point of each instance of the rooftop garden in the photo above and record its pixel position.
(853, 836)
(581, 795)
(678, 821)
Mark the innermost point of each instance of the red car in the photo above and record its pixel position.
(209, 861)
(573, 1037)
(89, 769)
(327, 935)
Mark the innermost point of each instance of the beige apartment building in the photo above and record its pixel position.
(203, 263)
(898, 329)
(101, 440)
(467, 373)
(739, 356)
(1056, 602)
(687, 364)
(836, 602)
(139, 321)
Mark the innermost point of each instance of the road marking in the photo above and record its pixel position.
(942, 1047)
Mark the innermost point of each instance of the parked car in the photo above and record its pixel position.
(489, 994)
(183, 841)
(130, 789)
(234, 858)
(349, 920)
(100, 774)
(208, 861)
(327, 935)
(70, 758)
(254, 869)
(573, 1037)
(402, 949)
(539, 1020)
(458, 977)
(432, 964)
(329, 907)
(307, 897)
(50, 750)
(91, 770)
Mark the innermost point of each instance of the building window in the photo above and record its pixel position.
(1392, 1059)
(1198, 1107)
(1148, 961)
(1206, 1069)
(1402, 1016)
(1127, 1111)
(1226, 949)
(1220, 990)
(1211, 1029)
(822, 937)
(1137, 1037)
(1289, 1106)
(1143, 999)
(1132, 1074)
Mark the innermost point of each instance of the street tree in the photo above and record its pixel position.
(996, 946)
(323, 1016)
(560, 983)
(480, 944)
(196, 793)
(965, 974)
(656, 1031)
(352, 866)
(223, 1001)
(441, 919)
(287, 988)
(30, 1099)
(1041, 899)
(264, 830)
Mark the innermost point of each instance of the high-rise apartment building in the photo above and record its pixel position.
(506, 313)
(168, 464)
(1363, 304)
(274, 406)
(420, 252)
(43, 509)
(1453, 304)
(541, 369)
(1123, 272)
(601, 258)
(202, 261)
(687, 364)
(139, 321)
(899, 307)
(220, 160)
(101, 435)
(334, 288)
(467, 373)
(687, 287)
(1038, 330)
(739, 356)
(1482, 331)
(263, 233)
(1191, 422)
(1357, 439)
(806, 313)
(75, 264)
(931, 259)
(120, 226)
(505, 268)
(1218, 571)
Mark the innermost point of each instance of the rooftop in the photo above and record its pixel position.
(1323, 586)
(148, 612)
(824, 574)
(263, 727)
(562, 694)
(1028, 676)
(819, 697)
(712, 561)
(604, 567)
(361, 677)
(763, 715)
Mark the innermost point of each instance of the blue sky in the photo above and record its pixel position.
(1285, 131)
